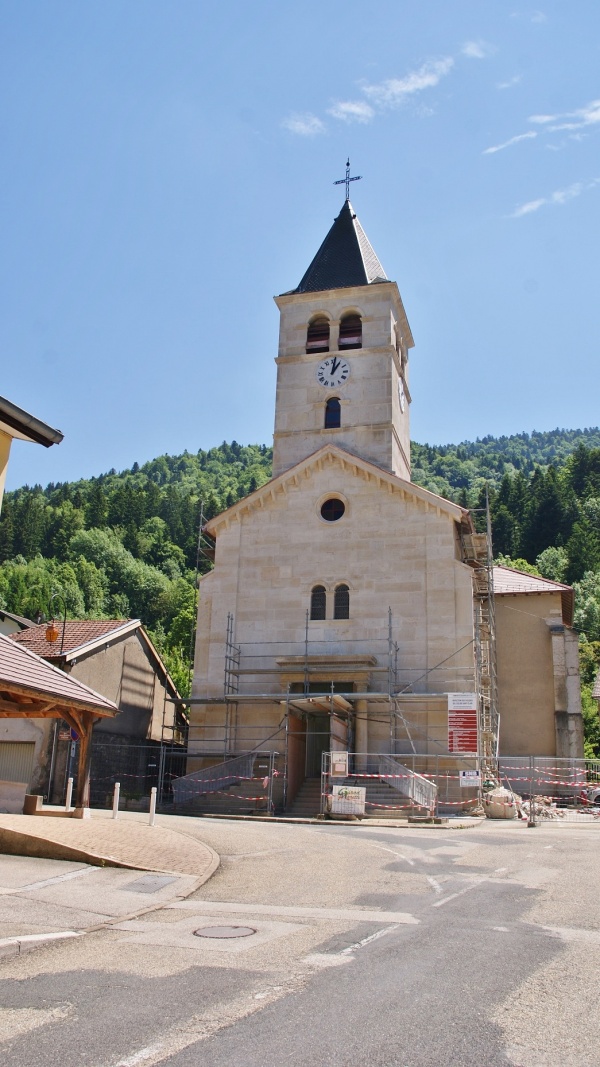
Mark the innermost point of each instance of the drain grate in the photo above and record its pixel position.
(225, 931)
(150, 883)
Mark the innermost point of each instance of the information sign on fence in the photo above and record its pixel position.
(469, 779)
(339, 764)
(348, 800)
(462, 722)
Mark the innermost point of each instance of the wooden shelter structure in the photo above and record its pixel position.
(32, 688)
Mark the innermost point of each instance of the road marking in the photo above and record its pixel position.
(48, 881)
(434, 884)
(200, 1027)
(367, 940)
(399, 854)
(215, 907)
(467, 889)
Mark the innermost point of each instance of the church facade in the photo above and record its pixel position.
(348, 608)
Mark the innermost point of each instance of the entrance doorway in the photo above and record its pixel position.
(318, 738)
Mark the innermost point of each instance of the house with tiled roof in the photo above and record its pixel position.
(114, 657)
(537, 650)
(34, 694)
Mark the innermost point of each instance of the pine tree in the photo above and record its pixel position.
(7, 532)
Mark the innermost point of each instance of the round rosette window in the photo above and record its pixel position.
(332, 509)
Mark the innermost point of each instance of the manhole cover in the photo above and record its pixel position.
(225, 931)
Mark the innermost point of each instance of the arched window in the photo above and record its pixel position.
(341, 602)
(318, 602)
(350, 332)
(333, 413)
(317, 335)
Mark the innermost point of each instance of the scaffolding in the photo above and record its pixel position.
(477, 553)
(365, 670)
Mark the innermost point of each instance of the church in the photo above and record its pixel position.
(349, 610)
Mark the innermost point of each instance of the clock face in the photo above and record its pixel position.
(333, 372)
(401, 395)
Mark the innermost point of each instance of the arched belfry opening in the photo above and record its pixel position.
(317, 335)
(350, 335)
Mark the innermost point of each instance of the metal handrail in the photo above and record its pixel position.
(412, 785)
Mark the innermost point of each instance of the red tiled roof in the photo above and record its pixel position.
(509, 582)
(78, 632)
(22, 668)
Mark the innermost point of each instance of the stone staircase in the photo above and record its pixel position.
(307, 802)
(235, 799)
(382, 802)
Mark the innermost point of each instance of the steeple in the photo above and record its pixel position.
(346, 258)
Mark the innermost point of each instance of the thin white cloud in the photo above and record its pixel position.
(394, 91)
(557, 198)
(510, 83)
(531, 16)
(589, 115)
(476, 49)
(352, 111)
(506, 144)
(526, 209)
(305, 125)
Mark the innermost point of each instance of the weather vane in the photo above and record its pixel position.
(346, 181)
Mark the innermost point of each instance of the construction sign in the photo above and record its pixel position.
(462, 722)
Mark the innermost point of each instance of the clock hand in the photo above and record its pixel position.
(334, 365)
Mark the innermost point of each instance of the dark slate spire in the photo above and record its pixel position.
(345, 258)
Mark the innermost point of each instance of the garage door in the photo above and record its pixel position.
(16, 761)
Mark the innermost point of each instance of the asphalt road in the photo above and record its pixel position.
(372, 945)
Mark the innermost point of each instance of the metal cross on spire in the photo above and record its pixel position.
(346, 181)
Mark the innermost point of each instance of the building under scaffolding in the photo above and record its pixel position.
(349, 609)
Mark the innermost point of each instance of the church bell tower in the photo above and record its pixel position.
(342, 367)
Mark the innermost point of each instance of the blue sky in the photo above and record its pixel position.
(168, 167)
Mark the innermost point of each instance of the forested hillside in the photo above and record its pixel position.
(125, 544)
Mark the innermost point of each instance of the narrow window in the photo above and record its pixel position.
(317, 335)
(341, 603)
(333, 413)
(318, 602)
(351, 332)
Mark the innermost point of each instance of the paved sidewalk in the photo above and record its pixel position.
(107, 842)
(53, 887)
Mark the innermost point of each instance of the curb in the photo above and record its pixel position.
(18, 946)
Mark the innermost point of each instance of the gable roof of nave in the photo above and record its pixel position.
(348, 461)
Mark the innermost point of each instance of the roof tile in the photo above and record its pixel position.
(20, 667)
(345, 258)
(78, 632)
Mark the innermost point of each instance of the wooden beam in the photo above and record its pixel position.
(33, 707)
(84, 766)
(60, 700)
